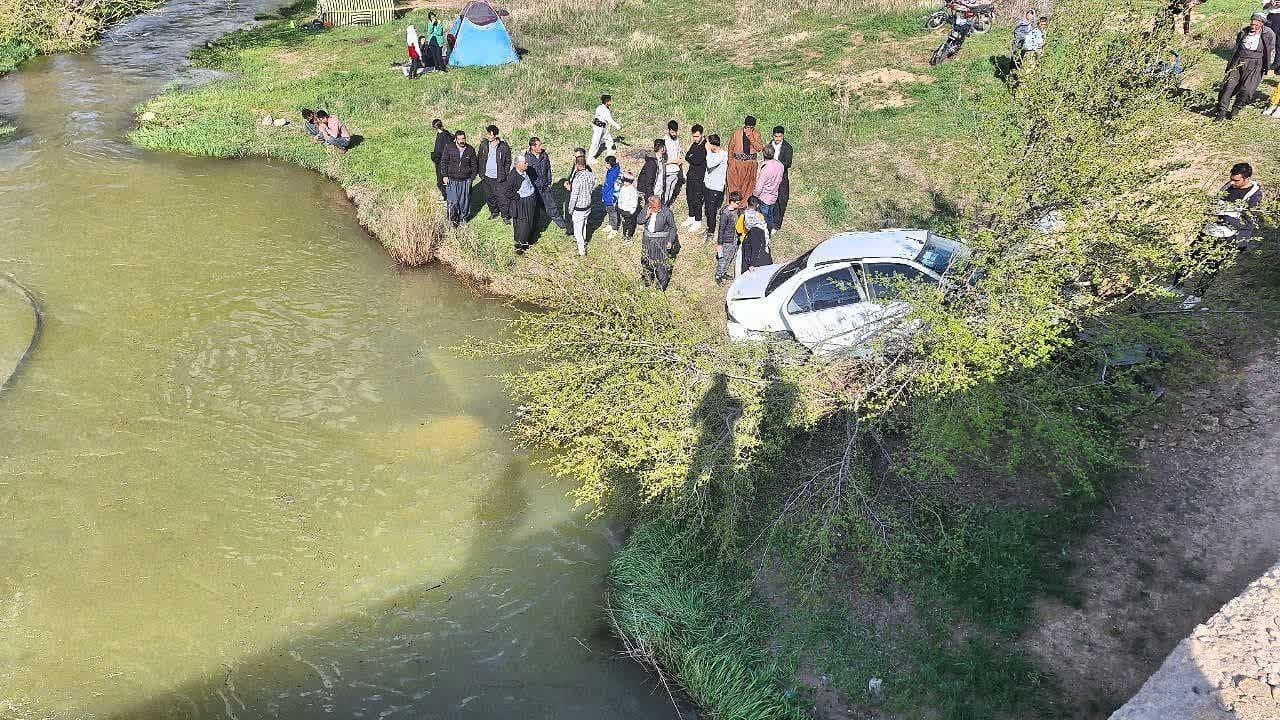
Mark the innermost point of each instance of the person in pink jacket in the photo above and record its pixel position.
(769, 184)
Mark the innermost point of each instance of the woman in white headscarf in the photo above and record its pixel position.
(416, 65)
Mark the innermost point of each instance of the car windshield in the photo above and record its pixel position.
(786, 272)
(939, 253)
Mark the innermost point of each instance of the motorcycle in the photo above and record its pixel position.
(983, 16)
(953, 42)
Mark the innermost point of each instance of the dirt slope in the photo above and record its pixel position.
(1199, 523)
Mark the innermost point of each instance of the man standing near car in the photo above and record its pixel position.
(769, 186)
(713, 194)
(539, 164)
(495, 160)
(782, 153)
(695, 177)
(727, 238)
(459, 170)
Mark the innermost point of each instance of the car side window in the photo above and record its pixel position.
(885, 278)
(829, 290)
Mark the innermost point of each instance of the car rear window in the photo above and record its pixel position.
(939, 253)
(829, 290)
(786, 272)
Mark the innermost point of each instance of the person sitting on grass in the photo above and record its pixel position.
(332, 131)
(310, 123)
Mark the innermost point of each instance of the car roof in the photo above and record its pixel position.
(891, 243)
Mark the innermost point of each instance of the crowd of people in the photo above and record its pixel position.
(754, 176)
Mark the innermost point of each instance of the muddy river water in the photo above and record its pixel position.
(243, 475)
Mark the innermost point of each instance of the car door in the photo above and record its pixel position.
(829, 311)
(884, 280)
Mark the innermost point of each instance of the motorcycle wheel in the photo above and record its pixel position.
(935, 20)
(940, 55)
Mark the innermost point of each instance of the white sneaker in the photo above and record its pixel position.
(689, 223)
(1269, 111)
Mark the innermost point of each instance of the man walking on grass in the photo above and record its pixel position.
(713, 194)
(494, 159)
(695, 177)
(459, 170)
(602, 127)
(539, 164)
(782, 153)
(1254, 51)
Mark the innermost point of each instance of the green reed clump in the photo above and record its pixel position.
(29, 27)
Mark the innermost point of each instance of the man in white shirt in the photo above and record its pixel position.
(602, 127)
(674, 174)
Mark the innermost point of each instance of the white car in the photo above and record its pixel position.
(841, 294)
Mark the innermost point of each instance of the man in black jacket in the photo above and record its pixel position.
(540, 173)
(523, 201)
(459, 170)
(782, 153)
(444, 139)
(652, 180)
(494, 158)
(695, 173)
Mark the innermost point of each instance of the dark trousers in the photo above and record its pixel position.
(780, 207)
(551, 206)
(611, 214)
(458, 195)
(628, 224)
(416, 67)
(435, 57)
(1240, 84)
(495, 197)
(694, 190)
(440, 181)
(526, 214)
(711, 202)
(655, 272)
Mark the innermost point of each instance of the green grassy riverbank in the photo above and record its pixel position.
(806, 528)
(34, 27)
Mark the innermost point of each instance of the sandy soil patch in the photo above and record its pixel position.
(1200, 522)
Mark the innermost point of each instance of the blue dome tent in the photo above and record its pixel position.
(480, 38)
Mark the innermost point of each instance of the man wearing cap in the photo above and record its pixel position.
(1255, 49)
(781, 153)
(744, 153)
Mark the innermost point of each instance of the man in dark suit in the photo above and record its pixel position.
(782, 153)
(652, 180)
(494, 158)
(523, 200)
